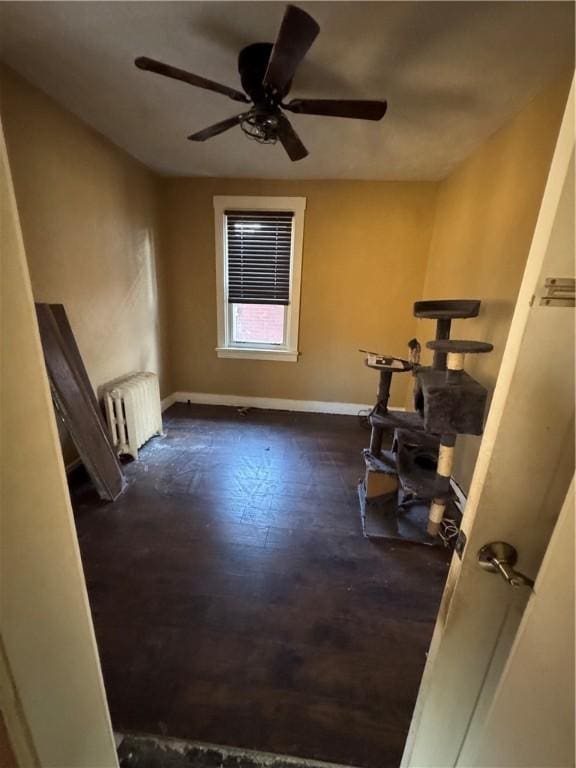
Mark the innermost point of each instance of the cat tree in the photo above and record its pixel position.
(406, 491)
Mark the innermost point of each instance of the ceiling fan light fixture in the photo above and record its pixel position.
(260, 128)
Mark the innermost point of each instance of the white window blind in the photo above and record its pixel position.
(258, 253)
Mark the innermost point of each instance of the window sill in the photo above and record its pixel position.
(280, 355)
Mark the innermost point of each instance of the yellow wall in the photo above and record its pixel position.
(483, 228)
(364, 259)
(45, 621)
(370, 250)
(99, 227)
(88, 214)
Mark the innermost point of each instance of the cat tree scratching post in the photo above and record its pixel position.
(460, 403)
(444, 311)
(406, 489)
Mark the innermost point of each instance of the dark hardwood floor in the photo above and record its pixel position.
(236, 602)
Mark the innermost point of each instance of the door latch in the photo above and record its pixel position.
(500, 557)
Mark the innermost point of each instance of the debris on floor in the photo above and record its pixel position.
(149, 752)
(240, 552)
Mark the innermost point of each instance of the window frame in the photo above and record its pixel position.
(287, 352)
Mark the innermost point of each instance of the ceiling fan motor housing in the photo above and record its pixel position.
(252, 65)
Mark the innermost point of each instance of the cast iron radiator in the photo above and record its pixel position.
(133, 411)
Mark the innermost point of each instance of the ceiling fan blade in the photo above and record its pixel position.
(290, 139)
(295, 36)
(217, 128)
(360, 110)
(151, 65)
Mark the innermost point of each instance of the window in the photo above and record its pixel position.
(258, 265)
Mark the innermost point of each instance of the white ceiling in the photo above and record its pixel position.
(452, 72)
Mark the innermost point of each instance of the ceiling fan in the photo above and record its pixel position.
(266, 72)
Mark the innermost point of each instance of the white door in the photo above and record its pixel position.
(523, 472)
(531, 719)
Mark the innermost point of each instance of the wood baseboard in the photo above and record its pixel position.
(268, 403)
